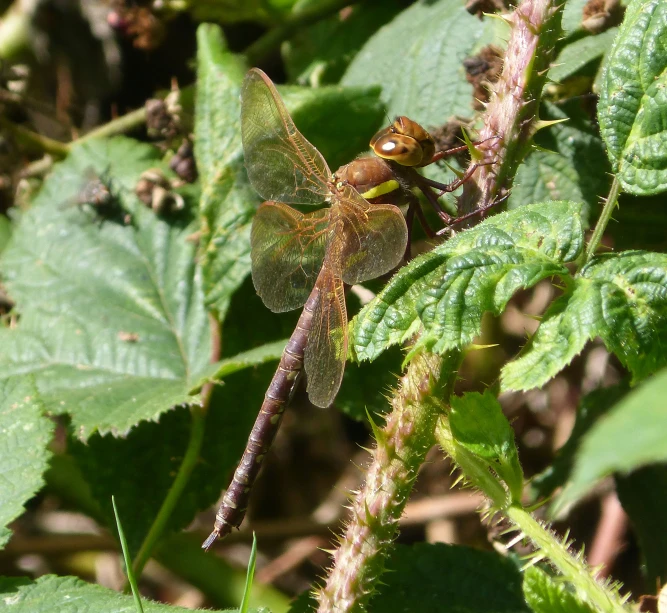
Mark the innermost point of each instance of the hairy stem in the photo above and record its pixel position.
(401, 447)
(511, 117)
(605, 216)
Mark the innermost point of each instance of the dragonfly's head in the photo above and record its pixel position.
(404, 142)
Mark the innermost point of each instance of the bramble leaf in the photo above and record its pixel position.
(622, 298)
(633, 98)
(435, 38)
(24, 434)
(72, 595)
(447, 290)
(112, 324)
(607, 447)
(545, 594)
(478, 424)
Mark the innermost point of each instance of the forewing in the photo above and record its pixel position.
(374, 236)
(326, 351)
(287, 249)
(281, 163)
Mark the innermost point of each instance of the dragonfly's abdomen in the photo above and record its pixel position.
(235, 501)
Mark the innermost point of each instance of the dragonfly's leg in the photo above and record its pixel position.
(439, 155)
(479, 211)
(409, 220)
(424, 186)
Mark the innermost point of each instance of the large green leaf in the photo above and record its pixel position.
(49, 594)
(320, 53)
(112, 325)
(581, 52)
(448, 578)
(447, 290)
(227, 200)
(643, 494)
(622, 298)
(417, 59)
(607, 448)
(24, 436)
(633, 99)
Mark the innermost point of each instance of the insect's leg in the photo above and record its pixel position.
(479, 211)
(439, 155)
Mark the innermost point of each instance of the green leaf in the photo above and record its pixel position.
(5, 231)
(417, 59)
(591, 408)
(572, 165)
(112, 324)
(25, 434)
(448, 290)
(633, 99)
(643, 494)
(70, 595)
(622, 298)
(478, 424)
(579, 53)
(320, 53)
(227, 201)
(545, 594)
(139, 472)
(607, 448)
(234, 11)
(446, 577)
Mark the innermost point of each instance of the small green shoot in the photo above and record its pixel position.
(128, 562)
(249, 576)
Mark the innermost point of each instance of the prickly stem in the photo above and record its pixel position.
(407, 436)
(512, 112)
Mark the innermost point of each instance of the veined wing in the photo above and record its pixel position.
(287, 249)
(373, 236)
(282, 165)
(326, 351)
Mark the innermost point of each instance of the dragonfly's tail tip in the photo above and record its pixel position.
(212, 538)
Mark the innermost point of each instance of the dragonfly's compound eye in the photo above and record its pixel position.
(400, 148)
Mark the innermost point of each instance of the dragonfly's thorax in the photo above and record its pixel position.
(374, 178)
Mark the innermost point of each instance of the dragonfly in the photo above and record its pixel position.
(306, 259)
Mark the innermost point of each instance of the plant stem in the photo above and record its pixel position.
(511, 117)
(547, 544)
(190, 460)
(263, 47)
(120, 125)
(605, 216)
(401, 447)
(33, 141)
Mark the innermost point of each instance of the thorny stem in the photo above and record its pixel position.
(510, 119)
(546, 542)
(401, 448)
(605, 216)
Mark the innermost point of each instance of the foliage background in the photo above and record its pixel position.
(107, 339)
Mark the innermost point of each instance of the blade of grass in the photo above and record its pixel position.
(250, 576)
(128, 562)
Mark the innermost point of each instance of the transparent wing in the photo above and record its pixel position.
(326, 351)
(373, 236)
(287, 249)
(281, 163)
